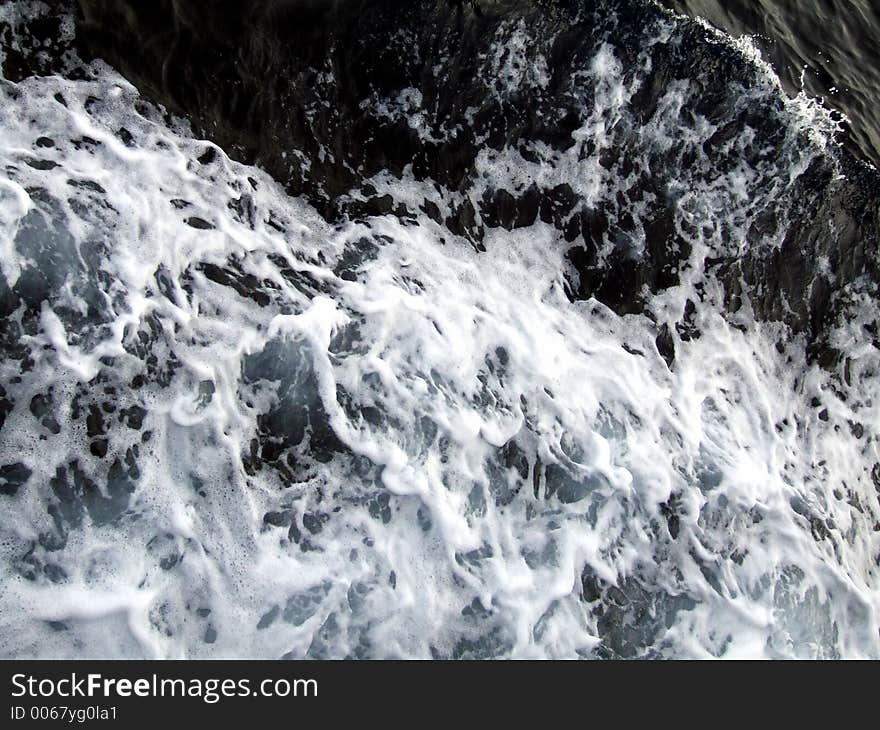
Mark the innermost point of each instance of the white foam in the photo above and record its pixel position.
(457, 355)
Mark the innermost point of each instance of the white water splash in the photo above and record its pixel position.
(475, 466)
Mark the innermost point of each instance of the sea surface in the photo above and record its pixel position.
(828, 49)
(439, 330)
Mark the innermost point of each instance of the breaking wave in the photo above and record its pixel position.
(624, 405)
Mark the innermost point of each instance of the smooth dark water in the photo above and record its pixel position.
(830, 48)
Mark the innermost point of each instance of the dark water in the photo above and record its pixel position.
(829, 48)
(280, 76)
(436, 329)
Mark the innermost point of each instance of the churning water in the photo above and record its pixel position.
(584, 365)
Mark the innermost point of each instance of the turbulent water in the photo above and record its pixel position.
(603, 381)
(828, 48)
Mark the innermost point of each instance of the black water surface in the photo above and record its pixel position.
(283, 75)
(829, 46)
